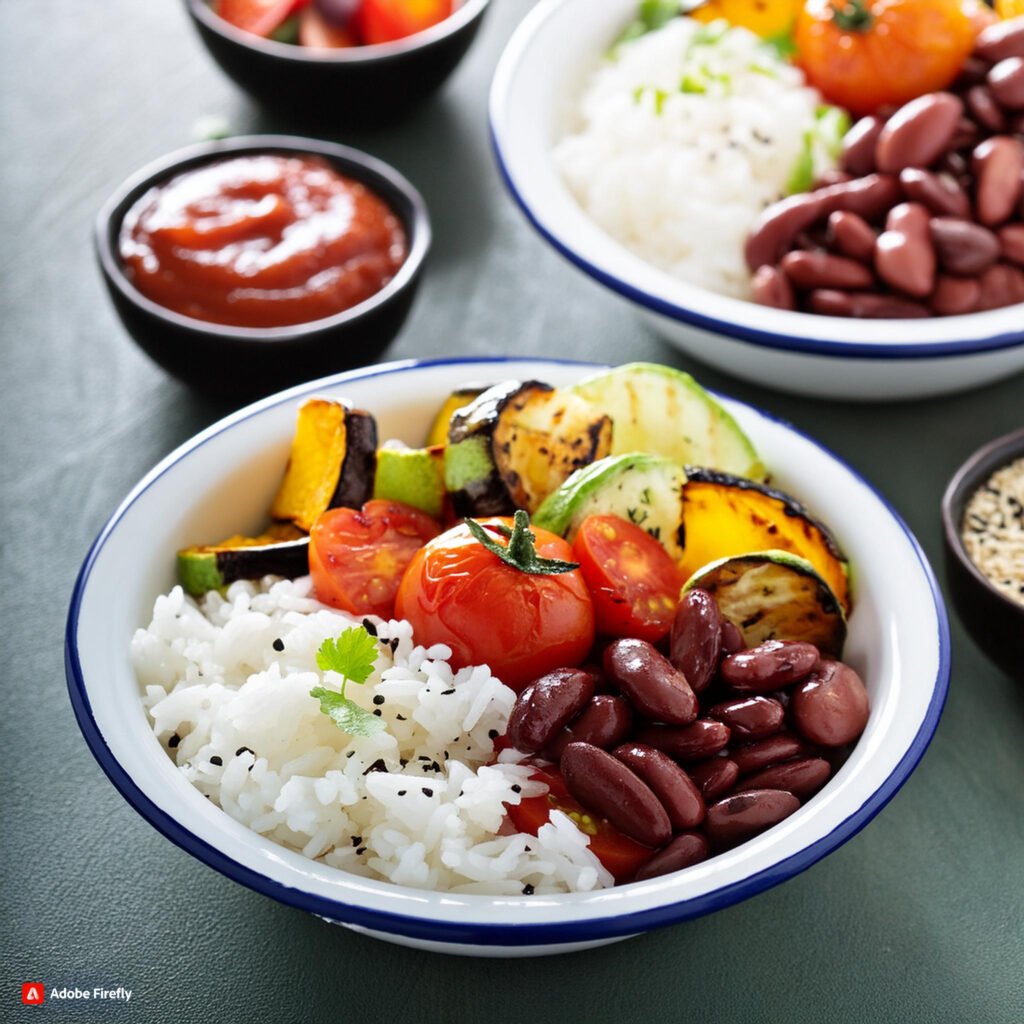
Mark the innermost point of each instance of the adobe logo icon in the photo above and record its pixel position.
(32, 993)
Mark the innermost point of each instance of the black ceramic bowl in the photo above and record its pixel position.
(994, 621)
(345, 86)
(244, 362)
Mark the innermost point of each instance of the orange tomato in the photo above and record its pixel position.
(1009, 8)
(768, 20)
(865, 54)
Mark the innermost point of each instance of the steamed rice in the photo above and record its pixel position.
(226, 684)
(682, 137)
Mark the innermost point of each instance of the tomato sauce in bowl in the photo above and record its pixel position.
(261, 240)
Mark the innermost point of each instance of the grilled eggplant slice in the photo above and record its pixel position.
(281, 551)
(438, 434)
(726, 515)
(774, 595)
(331, 464)
(516, 443)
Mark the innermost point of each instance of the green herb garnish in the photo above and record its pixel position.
(352, 656)
(521, 551)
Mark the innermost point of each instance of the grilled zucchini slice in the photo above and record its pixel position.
(282, 551)
(413, 476)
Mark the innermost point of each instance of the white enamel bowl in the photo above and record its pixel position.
(538, 78)
(221, 482)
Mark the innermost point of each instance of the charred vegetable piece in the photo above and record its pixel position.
(413, 476)
(438, 434)
(281, 551)
(516, 443)
(774, 595)
(726, 515)
(331, 464)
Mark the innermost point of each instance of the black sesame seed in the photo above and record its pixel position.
(174, 741)
(369, 627)
(217, 760)
(423, 757)
(528, 889)
(377, 766)
(399, 718)
(361, 850)
(393, 644)
(517, 788)
(241, 750)
(403, 761)
(434, 766)
(493, 734)
(446, 755)
(350, 753)
(402, 792)
(357, 840)
(447, 693)
(278, 644)
(378, 698)
(427, 791)
(377, 712)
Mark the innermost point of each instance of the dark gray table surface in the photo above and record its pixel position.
(918, 918)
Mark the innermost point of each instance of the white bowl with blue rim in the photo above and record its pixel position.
(538, 78)
(221, 482)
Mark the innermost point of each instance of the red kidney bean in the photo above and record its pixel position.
(604, 785)
(869, 197)
(750, 718)
(998, 164)
(769, 666)
(851, 235)
(1016, 125)
(771, 287)
(984, 109)
(973, 71)
(940, 193)
(830, 707)
(801, 778)
(858, 156)
(693, 742)
(546, 706)
(919, 132)
(1006, 80)
(650, 682)
(954, 296)
(695, 642)
(605, 722)
(955, 165)
(904, 257)
(1001, 285)
(687, 849)
(831, 177)
(963, 247)
(732, 638)
(1002, 40)
(744, 815)
(751, 756)
(715, 776)
(866, 305)
(823, 270)
(967, 134)
(778, 225)
(1011, 239)
(670, 784)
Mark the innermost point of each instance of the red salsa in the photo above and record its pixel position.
(261, 241)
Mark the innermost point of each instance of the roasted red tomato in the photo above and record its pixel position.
(260, 17)
(383, 21)
(618, 853)
(357, 556)
(522, 625)
(864, 54)
(632, 579)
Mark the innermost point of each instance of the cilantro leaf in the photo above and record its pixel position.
(352, 655)
(346, 714)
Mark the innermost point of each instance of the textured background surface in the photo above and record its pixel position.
(918, 918)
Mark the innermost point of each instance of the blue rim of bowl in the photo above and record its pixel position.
(371, 171)
(480, 933)
(654, 303)
(468, 12)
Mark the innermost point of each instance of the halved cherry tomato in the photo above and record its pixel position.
(633, 580)
(383, 21)
(865, 54)
(357, 556)
(260, 17)
(618, 853)
(458, 593)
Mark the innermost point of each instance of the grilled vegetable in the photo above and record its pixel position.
(725, 515)
(331, 463)
(456, 400)
(663, 411)
(774, 595)
(516, 443)
(413, 476)
(644, 489)
(281, 551)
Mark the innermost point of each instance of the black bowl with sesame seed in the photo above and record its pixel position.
(988, 594)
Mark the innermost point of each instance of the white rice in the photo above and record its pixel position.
(679, 177)
(418, 805)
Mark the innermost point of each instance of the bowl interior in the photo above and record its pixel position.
(538, 81)
(381, 178)
(221, 483)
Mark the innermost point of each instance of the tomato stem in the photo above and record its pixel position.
(852, 16)
(520, 552)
